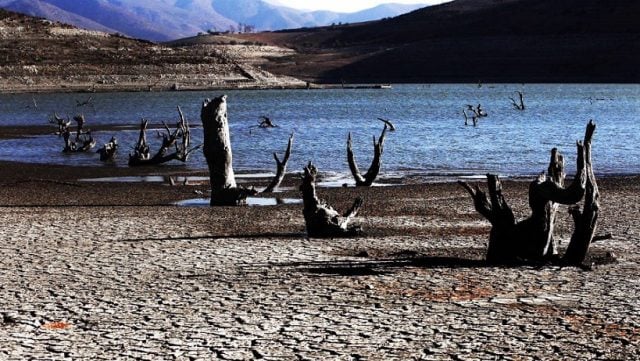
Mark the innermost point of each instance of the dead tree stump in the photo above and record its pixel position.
(532, 239)
(108, 151)
(281, 168)
(217, 151)
(142, 152)
(83, 141)
(321, 219)
(376, 163)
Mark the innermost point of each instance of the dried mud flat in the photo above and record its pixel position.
(103, 271)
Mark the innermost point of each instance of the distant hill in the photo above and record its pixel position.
(162, 20)
(41, 55)
(473, 40)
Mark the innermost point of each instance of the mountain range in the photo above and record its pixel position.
(162, 20)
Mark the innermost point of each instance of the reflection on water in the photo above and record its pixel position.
(251, 201)
(431, 139)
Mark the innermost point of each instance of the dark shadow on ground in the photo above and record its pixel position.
(408, 259)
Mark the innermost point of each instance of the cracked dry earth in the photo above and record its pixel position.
(169, 283)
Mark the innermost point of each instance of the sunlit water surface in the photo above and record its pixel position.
(431, 140)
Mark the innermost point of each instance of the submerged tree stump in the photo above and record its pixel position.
(532, 239)
(83, 141)
(179, 139)
(320, 218)
(218, 153)
(108, 151)
(368, 178)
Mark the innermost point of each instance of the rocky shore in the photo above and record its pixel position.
(110, 271)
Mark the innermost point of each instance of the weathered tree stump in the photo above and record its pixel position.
(108, 151)
(281, 168)
(321, 219)
(61, 123)
(218, 153)
(142, 152)
(532, 239)
(83, 140)
(371, 175)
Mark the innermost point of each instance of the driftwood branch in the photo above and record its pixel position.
(376, 163)
(281, 167)
(320, 218)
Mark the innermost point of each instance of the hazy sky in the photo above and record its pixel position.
(346, 5)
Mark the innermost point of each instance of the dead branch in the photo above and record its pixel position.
(281, 168)
(376, 163)
(84, 102)
(585, 222)
(519, 105)
(392, 128)
(266, 123)
(60, 122)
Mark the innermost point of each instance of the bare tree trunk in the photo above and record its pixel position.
(374, 169)
(321, 219)
(217, 151)
(281, 168)
(531, 239)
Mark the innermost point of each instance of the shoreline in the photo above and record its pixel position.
(82, 88)
(106, 173)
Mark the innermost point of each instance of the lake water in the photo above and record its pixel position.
(431, 139)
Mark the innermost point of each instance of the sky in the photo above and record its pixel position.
(346, 5)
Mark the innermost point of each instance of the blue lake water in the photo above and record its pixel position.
(431, 139)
